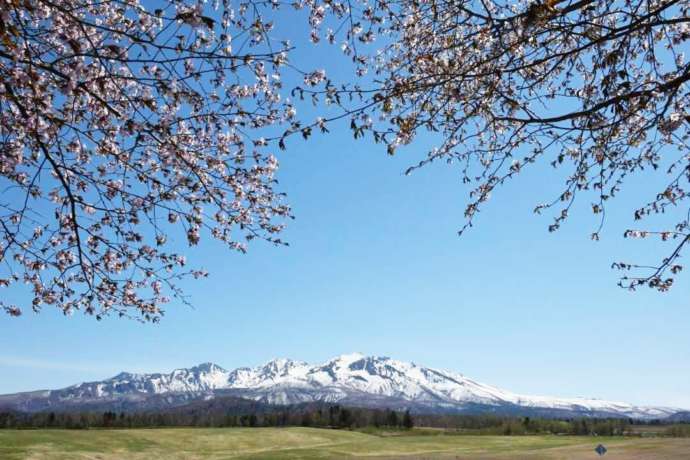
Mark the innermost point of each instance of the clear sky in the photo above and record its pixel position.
(375, 266)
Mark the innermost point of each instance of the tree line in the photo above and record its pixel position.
(510, 425)
(334, 417)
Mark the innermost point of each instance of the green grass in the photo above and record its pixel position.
(302, 443)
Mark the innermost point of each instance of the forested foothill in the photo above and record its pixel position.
(333, 416)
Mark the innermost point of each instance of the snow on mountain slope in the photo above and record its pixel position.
(382, 376)
(201, 378)
(352, 379)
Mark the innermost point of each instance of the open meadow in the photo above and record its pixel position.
(312, 443)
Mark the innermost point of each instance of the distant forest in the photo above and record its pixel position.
(330, 416)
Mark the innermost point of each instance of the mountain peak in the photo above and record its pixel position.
(348, 358)
(207, 367)
(279, 368)
(279, 362)
(122, 375)
(352, 356)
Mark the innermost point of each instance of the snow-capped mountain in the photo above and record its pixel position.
(352, 379)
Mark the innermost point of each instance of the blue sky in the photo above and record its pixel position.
(375, 265)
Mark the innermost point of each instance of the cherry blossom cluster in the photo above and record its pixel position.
(599, 90)
(122, 125)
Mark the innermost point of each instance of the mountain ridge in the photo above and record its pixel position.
(355, 379)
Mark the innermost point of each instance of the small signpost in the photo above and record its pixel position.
(600, 449)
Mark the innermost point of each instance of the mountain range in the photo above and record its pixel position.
(353, 379)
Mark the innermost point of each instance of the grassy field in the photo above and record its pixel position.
(311, 443)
